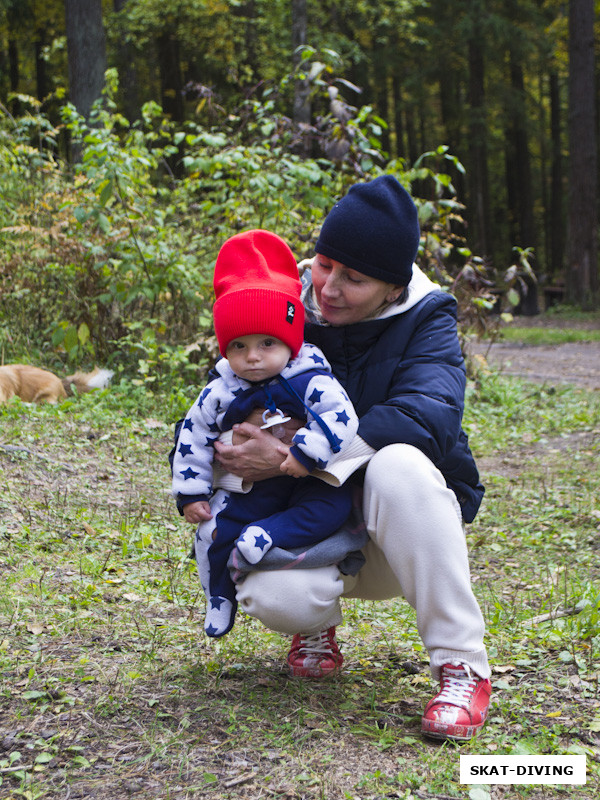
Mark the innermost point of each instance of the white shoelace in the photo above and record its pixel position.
(315, 643)
(459, 685)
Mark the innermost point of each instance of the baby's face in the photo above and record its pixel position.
(257, 357)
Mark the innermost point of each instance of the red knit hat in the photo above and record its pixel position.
(257, 290)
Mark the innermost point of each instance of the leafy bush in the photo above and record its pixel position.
(111, 260)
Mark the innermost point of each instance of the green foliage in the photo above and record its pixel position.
(111, 261)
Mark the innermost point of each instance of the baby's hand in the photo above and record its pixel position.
(197, 512)
(291, 466)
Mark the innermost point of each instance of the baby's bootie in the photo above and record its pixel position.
(220, 614)
(254, 543)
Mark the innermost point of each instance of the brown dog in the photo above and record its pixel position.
(35, 385)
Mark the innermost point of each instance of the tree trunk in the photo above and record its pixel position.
(41, 78)
(557, 226)
(128, 76)
(381, 92)
(520, 152)
(480, 238)
(411, 133)
(582, 281)
(399, 130)
(86, 48)
(171, 81)
(450, 108)
(14, 74)
(302, 106)
(519, 178)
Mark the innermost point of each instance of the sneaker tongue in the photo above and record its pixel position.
(456, 670)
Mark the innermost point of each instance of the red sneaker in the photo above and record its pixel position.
(314, 655)
(459, 709)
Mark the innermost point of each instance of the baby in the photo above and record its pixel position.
(259, 323)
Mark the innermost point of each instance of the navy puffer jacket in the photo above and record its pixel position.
(405, 375)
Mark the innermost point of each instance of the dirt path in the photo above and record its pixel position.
(576, 362)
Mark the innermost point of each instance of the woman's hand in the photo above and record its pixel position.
(255, 454)
(254, 458)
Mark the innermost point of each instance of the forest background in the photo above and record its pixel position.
(219, 115)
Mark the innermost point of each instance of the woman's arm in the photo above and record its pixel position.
(425, 398)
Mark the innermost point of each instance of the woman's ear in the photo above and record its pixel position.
(394, 294)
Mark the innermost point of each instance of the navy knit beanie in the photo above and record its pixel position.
(374, 229)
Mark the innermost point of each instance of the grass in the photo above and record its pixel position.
(109, 687)
(558, 325)
(548, 336)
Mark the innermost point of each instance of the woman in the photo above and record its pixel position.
(390, 336)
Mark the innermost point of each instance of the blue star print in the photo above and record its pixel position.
(315, 396)
(203, 397)
(317, 359)
(217, 602)
(343, 417)
(189, 473)
(188, 425)
(260, 541)
(300, 438)
(185, 449)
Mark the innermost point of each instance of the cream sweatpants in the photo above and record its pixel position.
(417, 550)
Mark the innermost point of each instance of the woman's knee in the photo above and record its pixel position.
(406, 497)
(293, 601)
(402, 469)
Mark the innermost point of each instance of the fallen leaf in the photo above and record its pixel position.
(131, 596)
(35, 628)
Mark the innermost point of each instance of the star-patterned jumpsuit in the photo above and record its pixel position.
(291, 512)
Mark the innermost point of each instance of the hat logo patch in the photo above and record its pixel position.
(291, 310)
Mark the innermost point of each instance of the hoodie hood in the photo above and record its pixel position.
(309, 358)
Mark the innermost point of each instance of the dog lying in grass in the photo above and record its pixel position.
(35, 385)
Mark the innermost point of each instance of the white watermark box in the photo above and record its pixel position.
(523, 769)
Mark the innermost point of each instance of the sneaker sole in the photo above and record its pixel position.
(461, 735)
(296, 672)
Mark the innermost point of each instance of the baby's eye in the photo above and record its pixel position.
(268, 342)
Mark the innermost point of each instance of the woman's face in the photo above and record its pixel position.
(345, 295)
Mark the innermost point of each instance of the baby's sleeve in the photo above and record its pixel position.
(331, 423)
